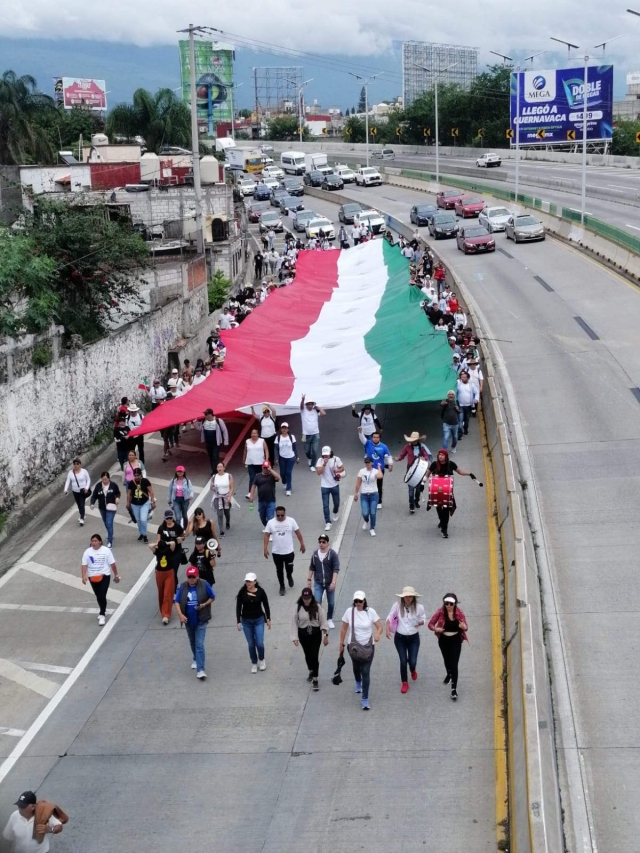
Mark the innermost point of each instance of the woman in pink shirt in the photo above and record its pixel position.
(449, 624)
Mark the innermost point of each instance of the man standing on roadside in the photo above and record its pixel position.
(193, 605)
(265, 483)
(281, 530)
(28, 829)
(323, 573)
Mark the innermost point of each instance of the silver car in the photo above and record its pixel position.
(301, 217)
(524, 228)
(494, 218)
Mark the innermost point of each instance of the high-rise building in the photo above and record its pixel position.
(418, 55)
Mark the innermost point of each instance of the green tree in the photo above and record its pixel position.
(160, 119)
(244, 113)
(64, 128)
(354, 129)
(346, 114)
(362, 102)
(21, 105)
(27, 298)
(284, 128)
(624, 139)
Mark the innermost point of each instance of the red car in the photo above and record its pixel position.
(475, 239)
(465, 207)
(255, 209)
(448, 199)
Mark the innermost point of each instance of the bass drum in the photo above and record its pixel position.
(441, 492)
(416, 472)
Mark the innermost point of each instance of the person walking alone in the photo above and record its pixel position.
(223, 488)
(252, 613)
(193, 605)
(285, 453)
(281, 530)
(98, 564)
(405, 618)
(107, 494)
(257, 265)
(330, 470)
(29, 827)
(79, 481)
(309, 629)
(367, 491)
(361, 629)
(323, 574)
(449, 624)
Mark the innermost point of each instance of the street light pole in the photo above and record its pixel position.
(233, 126)
(435, 90)
(365, 83)
(195, 140)
(300, 103)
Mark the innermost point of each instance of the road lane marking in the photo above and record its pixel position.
(543, 283)
(587, 328)
(13, 672)
(69, 580)
(635, 227)
(11, 732)
(44, 667)
(52, 608)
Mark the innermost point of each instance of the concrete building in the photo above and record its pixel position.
(629, 108)
(436, 58)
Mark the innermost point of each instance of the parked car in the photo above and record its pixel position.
(421, 214)
(313, 178)
(262, 192)
(370, 217)
(443, 225)
(276, 195)
(255, 209)
(289, 203)
(346, 212)
(467, 207)
(368, 177)
(523, 228)
(270, 219)
(494, 218)
(385, 154)
(347, 174)
(300, 218)
(273, 172)
(446, 199)
(247, 186)
(473, 239)
(314, 226)
(332, 182)
(293, 186)
(488, 160)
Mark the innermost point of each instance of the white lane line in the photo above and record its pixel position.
(44, 667)
(11, 732)
(577, 210)
(13, 672)
(343, 523)
(188, 447)
(635, 227)
(69, 580)
(52, 608)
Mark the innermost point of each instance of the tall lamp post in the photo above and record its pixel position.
(300, 102)
(365, 83)
(435, 88)
(195, 139)
(233, 125)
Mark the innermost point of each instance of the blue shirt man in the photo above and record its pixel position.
(375, 448)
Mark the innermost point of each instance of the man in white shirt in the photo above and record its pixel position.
(476, 378)
(309, 414)
(157, 394)
(20, 827)
(281, 530)
(330, 469)
(467, 396)
(225, 320)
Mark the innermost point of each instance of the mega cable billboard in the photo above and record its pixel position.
(552, 104)
(214, 81)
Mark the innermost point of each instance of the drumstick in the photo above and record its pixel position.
(477, 482)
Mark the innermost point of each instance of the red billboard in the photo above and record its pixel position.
(82, 92)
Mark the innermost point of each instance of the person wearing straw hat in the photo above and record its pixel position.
(414, 449)
(404, 619)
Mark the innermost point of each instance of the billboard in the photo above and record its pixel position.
(633, 78)
(214, 81)
(551, 105)
(80, 92)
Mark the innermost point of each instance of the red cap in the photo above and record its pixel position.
(266, 464)
(192, 572)
(180, 468)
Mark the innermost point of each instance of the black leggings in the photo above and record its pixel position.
(283, 561)
(100, 589)
(310, 643)
(379, 484)
(443, 514)
(80, 498)
(451, 648)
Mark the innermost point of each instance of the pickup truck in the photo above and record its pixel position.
(368, 177)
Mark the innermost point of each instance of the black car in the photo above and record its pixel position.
(293, 186)
(421, 214)
(276, 195)
(346, 212)
(332, 182)
(443, 225)
(313, 178)
(288, 203)
(262, 193)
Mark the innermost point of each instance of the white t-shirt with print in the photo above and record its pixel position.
(285, 445)
(309, 421)
(369, 479)
(98, 562)
(363, 621)
(327, 479)
(282, 532)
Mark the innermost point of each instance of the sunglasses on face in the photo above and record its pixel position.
(306, 596)
(358, 601)
(449, 604)
(279, 515)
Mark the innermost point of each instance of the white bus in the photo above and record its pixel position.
(292, 162)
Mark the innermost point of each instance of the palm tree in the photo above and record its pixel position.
(161, 119)
(21, 136)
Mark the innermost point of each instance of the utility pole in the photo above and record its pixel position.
(365, 84)
(301, 116)
(435, 74)
(195, 139)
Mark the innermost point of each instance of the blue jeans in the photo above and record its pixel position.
(318, 590)
(141, 513)
(311, 448)
(334, 491)
(463, 420)
(107, 517)
(254, 632)
(286, 471)
(449, 431)
(407, 646)
(362, 673)
(196, 634)
(369, 507)
(266, 511)
(180, 510)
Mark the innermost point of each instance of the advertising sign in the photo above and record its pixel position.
(214, 81)
(80, 92)
(551, 105)
(633, 78)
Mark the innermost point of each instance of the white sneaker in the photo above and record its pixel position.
(365, 525)
(262, 665)
(165, 620)
(336, 517)
(330, 624)
(101, 620)
(379, 506)
(453, 450)
(254, 667)
(327, 526)
(193, 665)
(288, 493)
(81, 522)
(248, 497)
(108, 544)
(372, 532)
(201, 674)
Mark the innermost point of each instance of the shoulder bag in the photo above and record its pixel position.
(358, 652)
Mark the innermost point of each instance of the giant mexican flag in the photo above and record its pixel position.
(349, 328)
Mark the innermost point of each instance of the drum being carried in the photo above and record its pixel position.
(416, 472)
(441, 492)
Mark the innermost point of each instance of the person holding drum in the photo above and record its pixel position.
(449, 624)
(441, 473)
(418, 456)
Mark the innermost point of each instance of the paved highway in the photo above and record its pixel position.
(578, 394)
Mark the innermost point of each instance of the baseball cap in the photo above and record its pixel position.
(26, 799)
(324, 537)
(200, 540)
(266, 464)
(168, 513)
(175, 370)
(306, 592)
(179, 468)
(192, 572)
(284, 423)
(359, 593)
(250, 576)
(326, 450)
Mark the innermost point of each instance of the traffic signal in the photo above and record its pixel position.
(480, 133)
(540, 133)
(426, 131)
(455, 131)
(509, 133)
(571, 134)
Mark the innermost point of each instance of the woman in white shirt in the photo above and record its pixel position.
(268, 427)
(222, 486)
(367, 490)
(255, 453)
(285, 452)
(98, 563)
(79, 481)
(368, 630)
(404, 619)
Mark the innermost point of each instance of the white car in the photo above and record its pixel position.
(272, 183)
(268, 161)
(371, 218)
(266, 148)
(488, 160)
(247, 186)
(315, 225)
(494, 218)
(368, 177)
(348, 175)
(273, 172)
